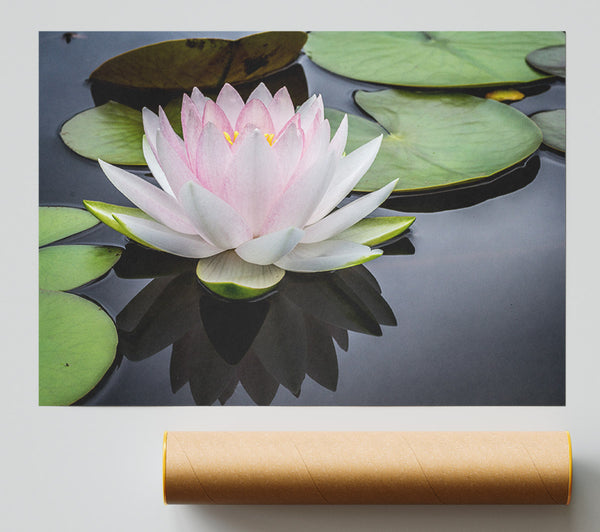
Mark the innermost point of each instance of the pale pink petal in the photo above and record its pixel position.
(338, 142)
(326, 256)
(166, 239)
(199, 100)
(311, 110)
(191, 121)
(288, 149)
(314, 149)
(269, 248)
(175, 168)
(261, 93)
(347, 216)
(155, 168)
(150, 199)
(214, 219)
(294, 120)
(214, 114)
(174, 140)
(213, 160)
(253, 184)
(281, 109)
(295, 206)
(255, 114)
(348, 173)
(150, 121)
(231, 102)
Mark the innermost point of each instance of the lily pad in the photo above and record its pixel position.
(554, 128)
(187, 63)
(437, 140)
(78, 342)
(112, 132)
(67, 267)
(431, 59)
(57, 223)
(552, 60)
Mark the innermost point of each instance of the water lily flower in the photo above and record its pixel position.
(251, 191)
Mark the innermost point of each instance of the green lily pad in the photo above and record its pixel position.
(552, 60)
(437, 140)
(229, 276)
(67, 267)
(112, 132)
(60, 222)
(187, 63)
(78, 342)
(431, 59)
(373, 231)
(554, 128)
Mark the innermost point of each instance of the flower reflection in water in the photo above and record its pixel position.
(261, 344)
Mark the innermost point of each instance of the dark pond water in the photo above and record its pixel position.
(472, 303)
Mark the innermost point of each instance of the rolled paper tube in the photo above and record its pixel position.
(367, 467)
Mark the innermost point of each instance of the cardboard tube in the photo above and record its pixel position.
(367, 467)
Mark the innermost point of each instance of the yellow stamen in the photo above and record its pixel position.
(228, 138)
(268, 136)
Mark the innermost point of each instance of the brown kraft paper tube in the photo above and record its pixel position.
(367, 467)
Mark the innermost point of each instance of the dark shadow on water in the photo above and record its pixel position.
(500, 184)
(263, 344)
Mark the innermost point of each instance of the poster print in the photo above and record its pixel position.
(219, 261)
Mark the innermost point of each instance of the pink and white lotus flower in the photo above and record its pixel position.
(251, 191)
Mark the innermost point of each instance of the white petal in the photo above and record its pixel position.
(150, 121)
(213, 159)
(155, 168)
(199, 99)
(217, 221)
(349, 171)
(326, 255)
(348, 215)
(230, 276)
(150, 199)
(175, 168)
(231, 102)
(338, 142)
(296, 204)
(281, 109)
(261, 93)
(270, 248)
(165, 239)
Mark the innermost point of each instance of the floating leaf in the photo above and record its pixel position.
(187, 63)
(60, 222)
(505, 95)
(552, 60)
(553, 125)
(78, 343)
(431, 59)
(112, 132)
(67, 267)
(436, 140)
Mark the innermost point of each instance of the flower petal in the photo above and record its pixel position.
(261, 93)
(213, 113)
(348, 172)
(155, 168)
(327, 255)
(150, 121)
(191, 121)
(296, 204)
(174, 140)
(165, 239)
(288, 149)
(213, 159)
(231, 102)
(269, 248)
(152, 200)
(228, 275)
(373, 231)
(254, 183)
(175, 168)
(348, 215)
(255, 114)
(338, 142)
(214, 219)
(281, 108)
(199, 100)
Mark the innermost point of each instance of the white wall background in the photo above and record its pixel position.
(97, 469)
